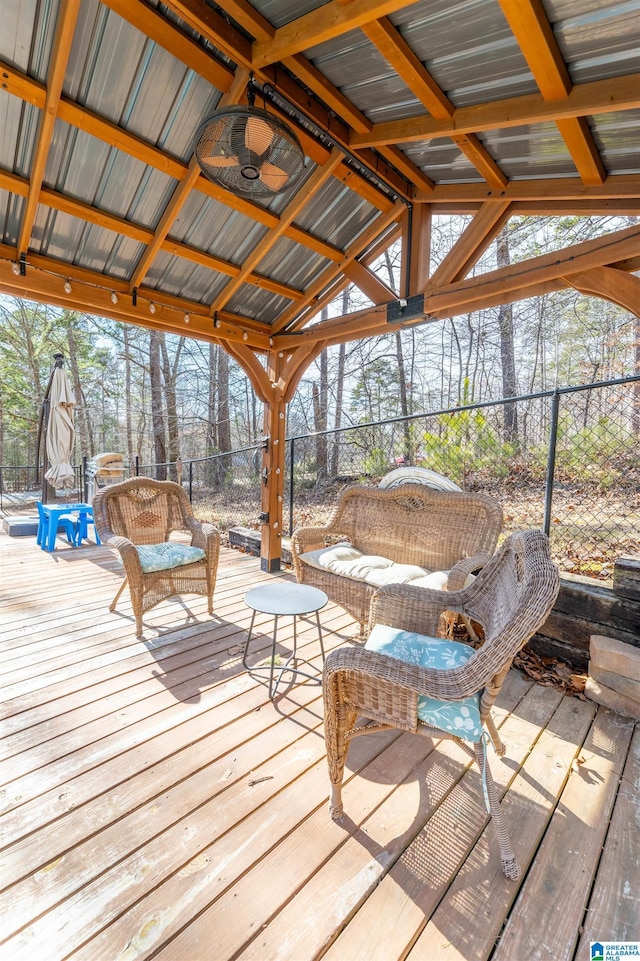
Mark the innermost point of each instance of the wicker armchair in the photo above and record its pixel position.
(136, 518)
(417, 527)
(510, 598)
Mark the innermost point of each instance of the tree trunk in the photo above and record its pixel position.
(334, 465)
(320, 396)
(507, 350)
(171, 400)
(127, 395)
(157, 413)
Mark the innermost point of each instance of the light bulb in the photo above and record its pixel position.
(245, 336)
(67, 286)
(114, 297)
(15, 266)
(152, 308)
(187, 318)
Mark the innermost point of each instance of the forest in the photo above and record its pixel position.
(158, 397)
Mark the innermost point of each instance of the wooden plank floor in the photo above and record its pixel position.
(155, 804)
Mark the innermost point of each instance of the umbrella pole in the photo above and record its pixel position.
(43, 423)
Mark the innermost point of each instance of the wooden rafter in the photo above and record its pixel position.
(326, 22)
(317, 179)
(516, 282)
(63, 39)
(409, 68)
(484, 227)
(153, 25)
(531, 28)
(368, 237)
(182, 191)
(594, 98)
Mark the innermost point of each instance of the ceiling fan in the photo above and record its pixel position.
(249, 151)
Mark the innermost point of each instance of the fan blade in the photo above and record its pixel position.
(258, 135)
(275, 178)
(219, 160)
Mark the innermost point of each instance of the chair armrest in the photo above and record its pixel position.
(448, 685)
(204, 535)
(128, 552)
(306, 539)
(468, 565)
(408, 608)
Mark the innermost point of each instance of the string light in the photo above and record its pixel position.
(19, 268)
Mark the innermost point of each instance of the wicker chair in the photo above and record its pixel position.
(422, 692)
(413, 525)
(136, 517)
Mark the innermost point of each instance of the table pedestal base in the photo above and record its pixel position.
(281, 668)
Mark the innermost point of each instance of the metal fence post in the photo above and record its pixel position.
(551, 461)
(137, 466)
(191, 481)
(290, 487)
(83, 479)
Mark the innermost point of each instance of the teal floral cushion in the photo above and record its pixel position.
(457, 717)
(164, 557)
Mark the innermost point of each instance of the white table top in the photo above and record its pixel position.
(285, 598)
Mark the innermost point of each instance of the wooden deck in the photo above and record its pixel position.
(155, 804)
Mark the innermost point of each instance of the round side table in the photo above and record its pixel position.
(283, 599)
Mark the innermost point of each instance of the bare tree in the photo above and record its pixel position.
(507, 349)
(157, 413)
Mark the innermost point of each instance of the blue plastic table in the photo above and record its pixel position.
(53, 512)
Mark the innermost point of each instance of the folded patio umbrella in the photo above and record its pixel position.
(60, 431)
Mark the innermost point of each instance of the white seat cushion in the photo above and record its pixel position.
(164, 557)
(373, 569)
(457, 717)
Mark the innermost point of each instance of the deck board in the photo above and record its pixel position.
(155, 803)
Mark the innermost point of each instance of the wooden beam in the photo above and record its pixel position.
(471, 244)
(158, 28)
(624, 186)
(531, 28)
(317, 179)
(329, 275)
(248, 17)
(65, 30)
(370, 285)
(417, 248)
(182, 191)
(330, 20)
(576, 133)
(216, 28)
(411, 70)
(615, 285)
(91, 292)
(516, 282)
(595, 98)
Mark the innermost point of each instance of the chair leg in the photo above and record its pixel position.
(510, 866)
(112, 605)
(335, 726)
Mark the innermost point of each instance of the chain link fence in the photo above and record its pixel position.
(566, 461)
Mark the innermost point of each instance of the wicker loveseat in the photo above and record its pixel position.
(408, 534)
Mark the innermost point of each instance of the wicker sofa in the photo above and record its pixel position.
(408, 534)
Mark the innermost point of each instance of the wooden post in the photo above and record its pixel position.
(273, 457)
(274, 386)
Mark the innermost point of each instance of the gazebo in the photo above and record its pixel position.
(395, 112)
